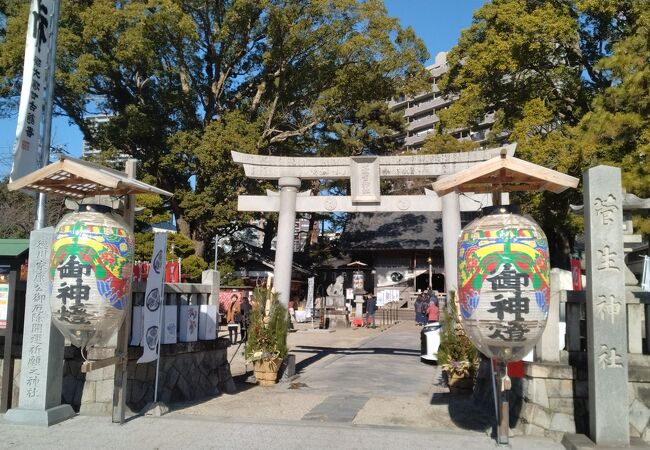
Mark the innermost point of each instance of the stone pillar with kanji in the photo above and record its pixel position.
(606, 321)
(41, 373)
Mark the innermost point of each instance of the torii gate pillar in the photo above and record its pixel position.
(364, 174)
(450, 231)
(284, 245)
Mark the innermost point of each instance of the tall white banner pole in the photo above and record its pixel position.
(154, 301)
(36, 88)
(160, 326)
(41, 212)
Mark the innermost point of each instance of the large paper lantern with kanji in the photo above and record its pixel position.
(503, 284)
(359, 282)
(90, 274)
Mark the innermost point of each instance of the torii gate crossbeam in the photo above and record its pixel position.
(364, 173)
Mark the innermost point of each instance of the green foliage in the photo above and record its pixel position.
(189, 82)
(154, 210)
(267, 334)
(182, 246)
(568, 81)
(436, 143)
(456, 353)
(617, 129)
(178, 246)
(516, 51)
(192, 267)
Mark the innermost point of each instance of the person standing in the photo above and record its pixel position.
(371, 309)
(424, 307)
(419, 318)
(233, 318)
(433, 313)
(245, 318)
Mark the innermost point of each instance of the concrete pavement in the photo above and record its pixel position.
(355, 388)
(198, 432)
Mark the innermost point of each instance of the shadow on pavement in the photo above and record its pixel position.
(464, 411)
(323, 352)
(241, 382)
(476, 410)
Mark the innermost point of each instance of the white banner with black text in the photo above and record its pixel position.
(27, 155)
(154, 299)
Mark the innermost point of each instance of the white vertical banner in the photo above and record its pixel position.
(27, 154)
(154, 299)
(309, 304)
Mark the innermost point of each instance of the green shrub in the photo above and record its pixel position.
(456, 354)
(267, 334)
(192, 267)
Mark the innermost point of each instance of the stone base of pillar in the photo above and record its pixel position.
(338, 319)
(39, 417)
(358, 311)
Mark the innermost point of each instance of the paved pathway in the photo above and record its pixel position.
(355, 389)
(359, 377)
(362, 376)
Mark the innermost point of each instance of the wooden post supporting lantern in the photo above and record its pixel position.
(503, 267)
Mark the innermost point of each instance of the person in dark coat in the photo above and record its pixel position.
(245, 318)
(419, 316)
(371, 309)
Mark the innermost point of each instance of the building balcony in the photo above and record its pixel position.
(426, 106)
(411, 141)
(397, 103)
(488, 119)
(420, 108)
(425, 122)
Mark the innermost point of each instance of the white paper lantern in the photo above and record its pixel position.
(358, 282)
(90, 275)
(503, 284)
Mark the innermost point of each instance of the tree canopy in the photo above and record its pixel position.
(568, 81)
(188, 81)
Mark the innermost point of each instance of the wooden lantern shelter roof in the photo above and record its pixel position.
(505, 173)
(77, 178)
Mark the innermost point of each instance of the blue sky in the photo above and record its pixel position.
(437, 22)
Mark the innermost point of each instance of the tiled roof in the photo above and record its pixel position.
(384, 231)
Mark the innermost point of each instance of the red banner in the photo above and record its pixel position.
(172, 271)
(576, 274)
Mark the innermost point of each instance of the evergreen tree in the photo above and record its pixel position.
(567, 80)
(189, 81)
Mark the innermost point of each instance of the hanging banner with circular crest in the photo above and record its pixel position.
(154, 299)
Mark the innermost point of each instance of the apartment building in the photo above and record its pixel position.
(88, 151)
(254, 236)
(421, 112)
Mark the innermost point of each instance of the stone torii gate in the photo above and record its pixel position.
(365, 174)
